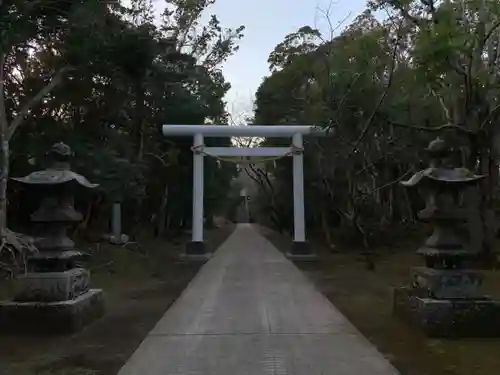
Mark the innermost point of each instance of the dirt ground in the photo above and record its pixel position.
(365, 298)
(138, 290)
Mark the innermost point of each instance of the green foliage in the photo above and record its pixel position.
(384, 90)
(124, 76)
(364, 87)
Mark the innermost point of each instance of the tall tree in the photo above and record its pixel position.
(26, 28)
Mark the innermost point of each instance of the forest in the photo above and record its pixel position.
(103, 76)
(401, 74)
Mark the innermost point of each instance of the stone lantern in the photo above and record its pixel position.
(54, 295)
(444, 298)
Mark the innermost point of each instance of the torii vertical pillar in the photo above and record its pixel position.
(196, 248)
(300, 248)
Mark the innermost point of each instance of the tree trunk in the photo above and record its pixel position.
(138, 131)
(326, 227)
(162, 213)
(4, 176)
(7, 130)
(4, 151)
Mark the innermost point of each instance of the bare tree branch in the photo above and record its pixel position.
(14, 78)
(348, 91)
(400, 178)
(263, 177)
(442, 103)
(431, 129)
(326, 13)
(369, 121)
(490, 115)
(3, 113)
(372, 163)
(158, 158)
(17, 121)
(406, 14)
(490, 32)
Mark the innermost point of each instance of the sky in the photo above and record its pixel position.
(266, 23)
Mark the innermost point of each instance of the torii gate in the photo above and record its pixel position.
(196, 247)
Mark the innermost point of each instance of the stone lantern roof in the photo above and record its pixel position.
(58, 171)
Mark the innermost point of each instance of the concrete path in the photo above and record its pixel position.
(250, 311)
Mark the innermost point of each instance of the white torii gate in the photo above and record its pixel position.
(197, 248)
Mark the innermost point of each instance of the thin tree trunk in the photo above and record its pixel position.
(4, 176)
(162, 213)
(7, 131)
(4, 151)
(326, 227)
(139, 139)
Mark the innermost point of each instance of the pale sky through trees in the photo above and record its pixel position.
(267, 22)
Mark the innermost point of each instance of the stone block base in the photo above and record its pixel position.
(185, 257)
(448, 318)
(196, 248)
(446, 284)
(52, 286)
(301, 251)
(51, 317)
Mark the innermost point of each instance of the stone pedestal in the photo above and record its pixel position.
(185, 257)
(59, 317)
(52, 286)
(51, 302)
(448, 303)
(196, 248)
(301, 251)
(196, 251)
(448, 318)
(446, 284)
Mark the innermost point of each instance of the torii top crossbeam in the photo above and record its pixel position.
(242, 131)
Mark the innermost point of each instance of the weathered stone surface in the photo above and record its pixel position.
(201, 258)
(56, 212)
(301, 251)
(301, 248)
(51, 317)
(54, 243)
(442, 284)
(55, 295)
(52, 286)
(471, 202)
(196, 248)
(56, 261)
(448, 318)
(444, 299)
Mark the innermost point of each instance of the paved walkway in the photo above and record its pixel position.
(250, 311)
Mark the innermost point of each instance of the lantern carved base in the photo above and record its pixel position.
(61, 317)
(52, 286)
(448, 318)
(446, 284)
